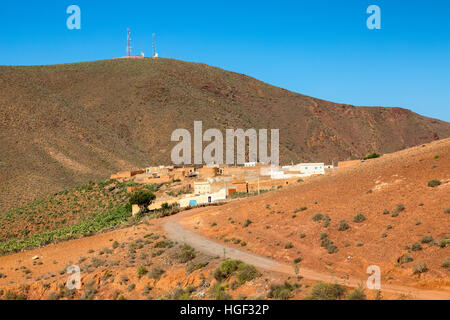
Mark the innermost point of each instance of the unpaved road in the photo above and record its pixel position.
(177, 232)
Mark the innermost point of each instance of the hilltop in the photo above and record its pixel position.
(67, 125)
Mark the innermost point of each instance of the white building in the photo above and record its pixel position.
(202, 187)
(250, 164)
(309, 168)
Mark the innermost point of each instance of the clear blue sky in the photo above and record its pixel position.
(319, 48)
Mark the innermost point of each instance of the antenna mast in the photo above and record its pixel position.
(154, 46)
(128, 43)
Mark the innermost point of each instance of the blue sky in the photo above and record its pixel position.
(319, 48)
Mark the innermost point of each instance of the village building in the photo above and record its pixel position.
(202, 187)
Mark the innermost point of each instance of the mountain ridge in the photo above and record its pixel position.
(63, 125)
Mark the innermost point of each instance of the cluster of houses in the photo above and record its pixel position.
(214, 183)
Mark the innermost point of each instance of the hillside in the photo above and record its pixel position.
(66, 125)
(383, 212)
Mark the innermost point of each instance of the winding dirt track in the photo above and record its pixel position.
(177, 232)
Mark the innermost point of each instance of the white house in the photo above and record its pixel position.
(309, 168)
(250, 164)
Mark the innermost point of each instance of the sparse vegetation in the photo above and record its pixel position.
(420, 267)
(343, 225)
(434, 183)
(446, 263)
(317, 217)
(325, 291)
(281, 291)
(359, 218)
(187, 254)
(247, 223)
(427, 239)
(405, 258)
(357, 294)
(372, 156)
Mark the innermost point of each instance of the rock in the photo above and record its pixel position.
(35, 258)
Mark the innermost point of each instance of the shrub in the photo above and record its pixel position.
(357, 294)
(372, 156)
(447, 211)
(384, 235)
(187, 253)
(343, 225)
(420, 267)
(326, 221)
(446, 263)
(219, 291)
(297, 260)
(405, 258)
(225, 269)
(246, 272)
(325, 291)
(247, 223)
(142, 271)
(444, 242)
(156, 273)
(359, 218)
(427, 239)
(317, 217)
(385, 211)
(289, 245)
(281, 291)
(416, 246)
(434, 183)
(328, 245)
(142, 198)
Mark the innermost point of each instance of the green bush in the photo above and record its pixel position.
(219, 291)
(142, 198)
(297, 260)
(444, 242)
(416, 246)
(343, 225)
(420, 267)
(187, 253)
(281, 291)
(225, 269)
(359, 218)
(246, 272)
(325, 291)
(372, 156)
(142, 271)
(247, 223)
(434, 183)
(357, 294)
(427, 239)
(446, 263)
(317, 217)
(405, 258)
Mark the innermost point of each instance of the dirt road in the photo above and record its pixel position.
(175, 231)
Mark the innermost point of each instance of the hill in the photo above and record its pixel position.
(66, 125)
(392, 212)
